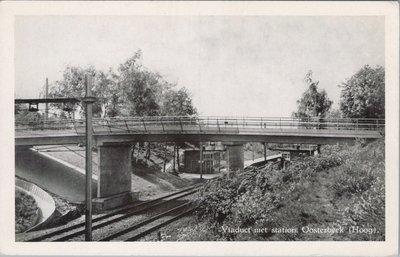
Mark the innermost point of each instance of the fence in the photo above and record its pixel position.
(201, 124)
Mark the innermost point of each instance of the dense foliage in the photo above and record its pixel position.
(363, 95)
(26, 211)
(313, 103)
(132, 90)
(27, 116)
(342, 187)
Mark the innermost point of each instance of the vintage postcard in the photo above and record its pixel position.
(199, 128)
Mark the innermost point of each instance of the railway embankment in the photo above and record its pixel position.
(59, 170)
(337, 195)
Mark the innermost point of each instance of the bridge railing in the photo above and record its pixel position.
(55, 124)
(201, 124)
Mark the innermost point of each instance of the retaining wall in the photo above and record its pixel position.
(44, 201)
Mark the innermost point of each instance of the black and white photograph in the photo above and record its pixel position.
(222, 122)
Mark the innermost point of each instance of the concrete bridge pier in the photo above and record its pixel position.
(114, 179)
(235, 156)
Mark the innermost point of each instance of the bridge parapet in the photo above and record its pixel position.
(186, 124)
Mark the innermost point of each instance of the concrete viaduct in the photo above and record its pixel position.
(114, 137)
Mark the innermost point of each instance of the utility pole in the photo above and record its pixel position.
(46, 110)
(88, 100)
(315, 103)
(265, 151)
(228, 167)
(174, 157)
(252, 150)
(201, 161)
(165, 157)
(219, 162)
(177, 157)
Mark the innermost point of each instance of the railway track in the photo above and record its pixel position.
(118, 215)
(152, 224)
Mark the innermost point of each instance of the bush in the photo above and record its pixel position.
(201, 231)
(342, 186)
(26, 211)
(362, 181)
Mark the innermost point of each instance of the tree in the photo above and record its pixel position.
(72, 85)
(139, 87)
(17, 109)
(334, 114)
(363, 95)
(313, 103)
(178, 103)
(132, 90)
(24, 115)
(108, 93)
(104, 88)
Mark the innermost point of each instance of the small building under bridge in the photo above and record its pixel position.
(213, 161)
(295, 150)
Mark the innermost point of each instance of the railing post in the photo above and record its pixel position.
(280, 123)
(127, 127)
(198, 121)
(180, 122)
(74, 124)
(261, 122)
(144, 125)
(357, 124)
(162, 125)
(337, 123)
(219, 129)
(109, 126)
(42, 125)
(377, 124)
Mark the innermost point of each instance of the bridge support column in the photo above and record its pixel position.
(235, 157)
(114, 179)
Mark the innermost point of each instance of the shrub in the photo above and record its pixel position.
(26, 211)
(201, 231)
(363, 179)
(343, 185)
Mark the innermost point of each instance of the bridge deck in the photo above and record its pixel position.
(277, 130)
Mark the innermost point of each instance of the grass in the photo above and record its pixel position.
(26, 211)
(343, 189)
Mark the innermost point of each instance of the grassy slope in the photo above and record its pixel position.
(147, 180)
(342, 187)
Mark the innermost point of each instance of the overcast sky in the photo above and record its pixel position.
(232, 65)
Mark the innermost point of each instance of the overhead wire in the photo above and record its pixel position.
(79, 154)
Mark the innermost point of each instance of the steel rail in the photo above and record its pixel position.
(144, 222)
(124, 216)
(160, 225)
(108, 215)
